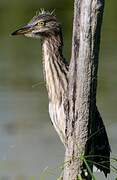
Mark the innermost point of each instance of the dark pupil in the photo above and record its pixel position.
(41, 23)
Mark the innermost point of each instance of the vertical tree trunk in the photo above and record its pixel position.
(82, 85)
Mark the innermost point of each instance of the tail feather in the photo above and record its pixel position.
(102, 148)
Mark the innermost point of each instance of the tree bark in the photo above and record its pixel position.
(82, 87)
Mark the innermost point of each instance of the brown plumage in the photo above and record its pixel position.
(46, 26)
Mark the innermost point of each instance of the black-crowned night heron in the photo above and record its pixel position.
(46, 26)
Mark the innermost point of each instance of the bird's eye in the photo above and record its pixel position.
(41, 23)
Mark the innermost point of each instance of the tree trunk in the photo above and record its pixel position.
(82, 87)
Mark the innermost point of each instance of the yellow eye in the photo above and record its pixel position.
(41, 23)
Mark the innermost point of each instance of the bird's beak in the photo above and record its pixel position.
(22, 31)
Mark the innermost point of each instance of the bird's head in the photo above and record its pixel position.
(42, 25)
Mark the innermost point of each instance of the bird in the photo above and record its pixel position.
(46, 27)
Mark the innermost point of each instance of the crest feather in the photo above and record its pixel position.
(42, 12)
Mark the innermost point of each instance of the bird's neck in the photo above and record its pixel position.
(55, 69)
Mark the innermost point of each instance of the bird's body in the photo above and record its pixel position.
(55, 73)
(46, 26)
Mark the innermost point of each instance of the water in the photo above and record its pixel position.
(28, 143)
(29, 146)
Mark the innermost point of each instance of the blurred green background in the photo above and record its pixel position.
(29, 146)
